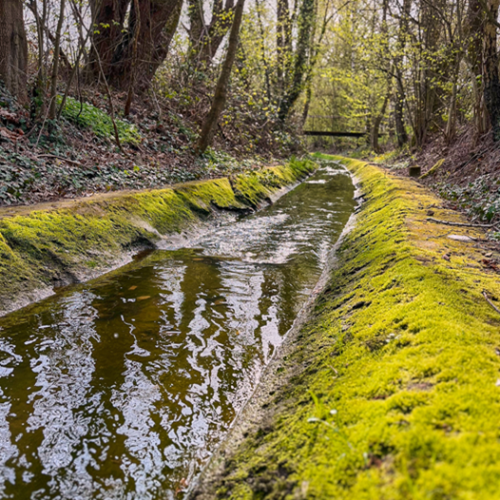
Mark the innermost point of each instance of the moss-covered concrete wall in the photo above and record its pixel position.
(64, 243)
(391, 391)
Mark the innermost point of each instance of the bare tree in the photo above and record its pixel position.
(220, 96)
(206, 39)
(55, 63)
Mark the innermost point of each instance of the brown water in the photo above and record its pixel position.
(123, 387)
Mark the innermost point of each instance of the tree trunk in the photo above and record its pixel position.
(156, 22)
(108, 18)
(399, 98)
(219, 101)
(55, 63)
(491, 78)
(375, 130)
(283, 43)
(206, 40)
(13, 48)
(304, 42)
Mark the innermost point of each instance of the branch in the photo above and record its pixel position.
(460, 224)
(491, 303)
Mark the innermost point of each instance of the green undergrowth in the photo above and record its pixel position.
(57, 246)
(391, 389)
(88, 116)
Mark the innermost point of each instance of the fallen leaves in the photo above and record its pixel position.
(9, 135)
(491, 264)
(9, 116)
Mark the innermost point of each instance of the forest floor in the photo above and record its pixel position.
(465, 173)
(79, 156)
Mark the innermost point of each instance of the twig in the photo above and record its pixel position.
(460, 224)
(491, 303)
(72, 162)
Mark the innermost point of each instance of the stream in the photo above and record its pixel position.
(122, 388)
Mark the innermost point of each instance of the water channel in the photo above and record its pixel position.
(123, 387)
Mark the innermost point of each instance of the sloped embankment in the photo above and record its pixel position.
(70, 241)
(390, 391)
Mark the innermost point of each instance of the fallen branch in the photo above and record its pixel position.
(72, 162)
(460, 224)
(491, 303)
(434, 169)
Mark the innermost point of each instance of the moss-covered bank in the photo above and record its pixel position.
(65, 243)
(390, 391)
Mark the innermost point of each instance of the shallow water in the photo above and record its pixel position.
(123, 387)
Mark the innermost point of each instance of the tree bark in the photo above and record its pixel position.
(156, 22)
(55, 63)
(399, 98)
(220, 96)
(13, 48)
(474, 34)
(108, 18)
(304, 42)
(491, 77)
(283, 43)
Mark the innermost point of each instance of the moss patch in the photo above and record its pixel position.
(88, 116)
(255, 187)
(391, 391)
(54, 246)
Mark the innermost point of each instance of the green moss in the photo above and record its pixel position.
(203, 197)
(393, 392)
(37, 249)
(257, 186)
(88, 116)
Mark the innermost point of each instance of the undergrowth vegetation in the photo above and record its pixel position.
(88, 116)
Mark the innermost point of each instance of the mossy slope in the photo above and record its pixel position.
(57, 246)
(391, 390)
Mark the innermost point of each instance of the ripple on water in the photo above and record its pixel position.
(123, 388)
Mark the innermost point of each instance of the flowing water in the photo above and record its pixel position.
(123, 387)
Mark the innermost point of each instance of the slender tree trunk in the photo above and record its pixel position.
(39, 90)
(196, 23)
(377, 121)
(13, 48)
(219, 101)
(491, 77)
(304, 42)
(267, 70)
(399, 98)
(307, 104)
(55, 64)
(474, 34)
(283, 43)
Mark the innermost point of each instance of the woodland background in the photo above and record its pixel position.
(98, 95)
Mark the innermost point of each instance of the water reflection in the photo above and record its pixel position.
(122, 388)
